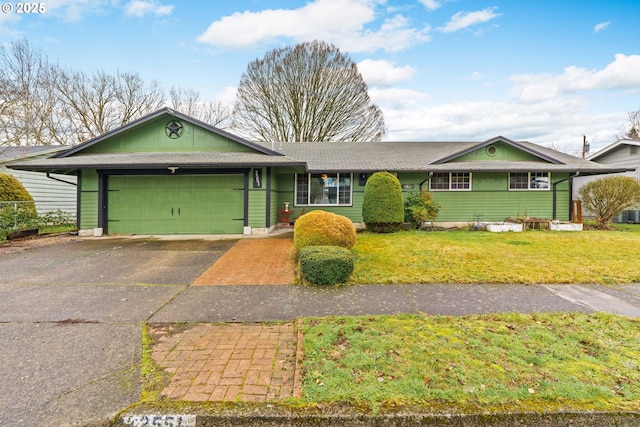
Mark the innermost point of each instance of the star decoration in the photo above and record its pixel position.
(174, 129)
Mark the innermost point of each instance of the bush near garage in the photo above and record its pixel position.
(322, 228)
(420, 208)
(382, 206)
(326, 265)
(15, 215)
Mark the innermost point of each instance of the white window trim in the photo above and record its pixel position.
(450, 181)
(529, 182)
(295, 191)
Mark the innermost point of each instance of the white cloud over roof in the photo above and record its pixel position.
(341, 22)
(462, 20)
(622, 73)
(141, 8)
(384, 73)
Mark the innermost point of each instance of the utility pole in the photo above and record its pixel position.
(585, 146)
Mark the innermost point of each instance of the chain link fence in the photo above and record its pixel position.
(22, 215)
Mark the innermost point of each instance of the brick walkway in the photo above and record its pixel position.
(232, 362)
(253, 261)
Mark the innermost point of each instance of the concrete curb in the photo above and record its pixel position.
(267, 415)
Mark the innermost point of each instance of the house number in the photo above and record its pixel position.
(257, 178)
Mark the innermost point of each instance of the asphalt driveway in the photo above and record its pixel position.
(113, 261)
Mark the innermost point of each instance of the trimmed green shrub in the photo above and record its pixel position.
(11, 190)
(419, 207)
(325, 265)
(322, 228)
(382, 207)
(15, 215)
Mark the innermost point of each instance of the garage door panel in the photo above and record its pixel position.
(198, 204)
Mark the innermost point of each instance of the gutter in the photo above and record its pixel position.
(61, 180)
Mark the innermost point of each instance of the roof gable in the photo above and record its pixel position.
(613, 147)
(497, 149)
(167, 130)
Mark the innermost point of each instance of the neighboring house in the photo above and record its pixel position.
(50, 192)
(623, 154)
(168, 173)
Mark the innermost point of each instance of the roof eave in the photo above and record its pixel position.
(156, 114)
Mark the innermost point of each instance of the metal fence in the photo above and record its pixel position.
(18, 215)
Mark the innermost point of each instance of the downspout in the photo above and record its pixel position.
(570, 179)
(268, 203)
(425, 180)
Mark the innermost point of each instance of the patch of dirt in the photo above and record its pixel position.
(18, 245)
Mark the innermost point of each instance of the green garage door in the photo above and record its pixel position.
(182, 204)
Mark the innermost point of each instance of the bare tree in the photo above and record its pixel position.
(310, 92)
(633, 127)
(28, 102)
(99, 103)
(44, 104)
(187, 101)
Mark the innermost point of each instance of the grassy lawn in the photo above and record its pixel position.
(508, 362)
(530, 257)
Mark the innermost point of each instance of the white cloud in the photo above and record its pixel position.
(622, 73)
(140, 8)
(561, 122)
(601, 26)
(462, 20)
(430, 4)
(571, 107)
(384, 73)
(340, 22)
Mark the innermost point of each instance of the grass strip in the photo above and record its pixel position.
(531, 257)
(530, 362)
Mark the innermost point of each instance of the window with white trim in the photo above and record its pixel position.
(453, 181)
(529, 180)
(326, 189)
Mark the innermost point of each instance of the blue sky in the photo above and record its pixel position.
(543, 71)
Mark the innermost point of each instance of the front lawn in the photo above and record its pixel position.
(489, 363)
(531, 257)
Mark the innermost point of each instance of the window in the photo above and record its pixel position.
(450, 181)
(529, 181)
(323, 189)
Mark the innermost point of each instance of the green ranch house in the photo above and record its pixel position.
(168, 173)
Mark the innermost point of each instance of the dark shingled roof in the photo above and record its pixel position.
(158, 160)
(424, 156)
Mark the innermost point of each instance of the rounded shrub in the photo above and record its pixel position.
(15, 216)
(325, 265)
(322, 228)
(382, 206)
(11, 190)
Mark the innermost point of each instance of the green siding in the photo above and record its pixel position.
(502, 152)
(151, 137)
(489, 197)
(88, 199)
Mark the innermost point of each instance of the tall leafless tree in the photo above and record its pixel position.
(309, 92)
(101, 102)
(45, 104)
(187, 101)
(633, 126)
(27, 102)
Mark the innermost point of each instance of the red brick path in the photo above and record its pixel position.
(233, 362)
(253, 261)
